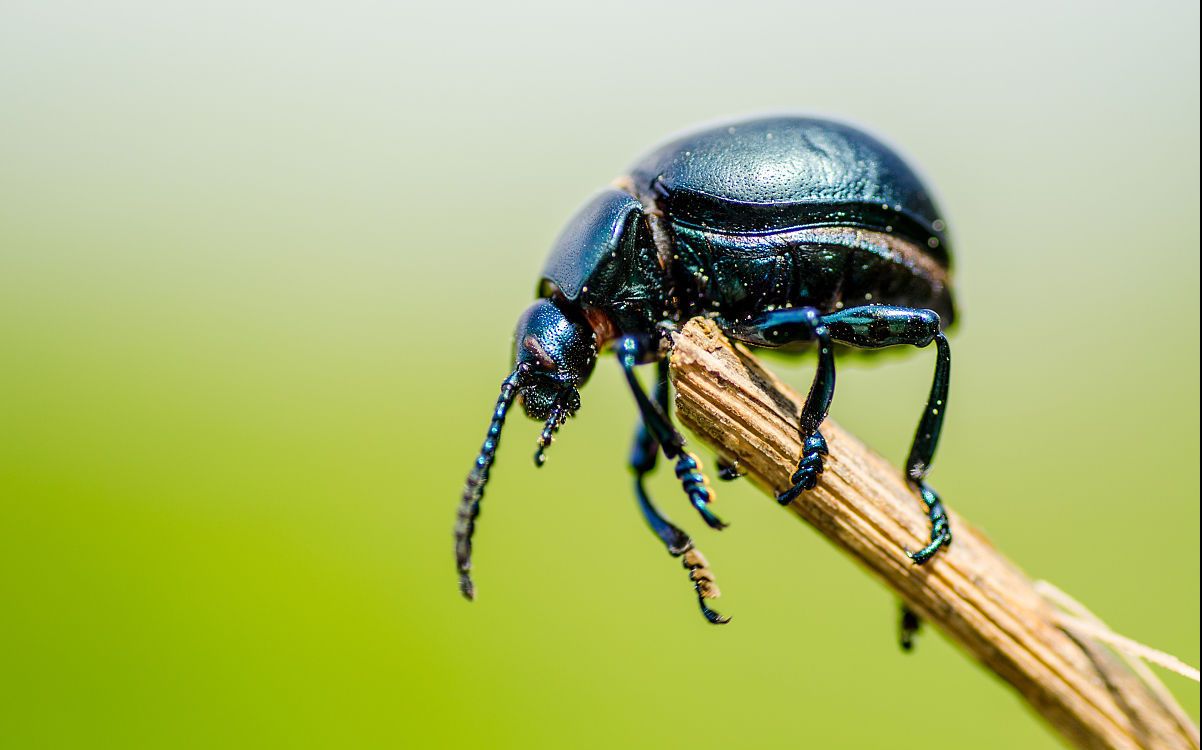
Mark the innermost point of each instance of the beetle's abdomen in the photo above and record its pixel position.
(738, 275)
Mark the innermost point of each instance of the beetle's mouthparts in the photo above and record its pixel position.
(559, 415)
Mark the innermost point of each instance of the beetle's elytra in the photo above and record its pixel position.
(785, 230)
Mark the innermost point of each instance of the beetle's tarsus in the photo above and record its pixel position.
(688, 471)
(924, 555)
(941, 531)
(728, 471)
(703, 583)
(940, 536)
(809, 468)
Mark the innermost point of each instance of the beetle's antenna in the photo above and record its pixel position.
(559, 415)
(473, 488)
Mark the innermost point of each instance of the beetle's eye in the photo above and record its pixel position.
(532, 345)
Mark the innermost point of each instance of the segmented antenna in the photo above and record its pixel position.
(473, 488)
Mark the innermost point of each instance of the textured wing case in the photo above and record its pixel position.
(780, 173)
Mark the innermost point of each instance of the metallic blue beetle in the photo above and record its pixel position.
(787, 231)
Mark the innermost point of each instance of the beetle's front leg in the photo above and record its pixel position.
(631, 352)
(643, 456)
(778, 327)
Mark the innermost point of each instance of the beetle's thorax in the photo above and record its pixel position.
(656, 231)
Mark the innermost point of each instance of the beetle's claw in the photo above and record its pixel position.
(707, 515)
(466, 587)
(791, 494)
(908, 626)
(713, 617)
(729, 470)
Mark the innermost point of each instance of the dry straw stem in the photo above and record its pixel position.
(970, 591)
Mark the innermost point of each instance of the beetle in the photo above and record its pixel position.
(788, 231)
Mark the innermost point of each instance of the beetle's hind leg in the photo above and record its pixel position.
(877, 326)
(643, 456)
(869, 327)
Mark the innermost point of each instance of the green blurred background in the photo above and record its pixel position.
(260, 265)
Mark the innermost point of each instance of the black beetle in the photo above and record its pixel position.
(787, 231)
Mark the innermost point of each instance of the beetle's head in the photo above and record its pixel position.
(554, 352)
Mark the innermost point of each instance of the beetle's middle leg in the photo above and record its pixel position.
(643, 456)
(777, 327)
